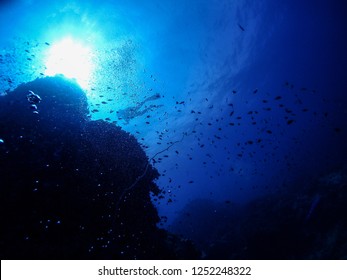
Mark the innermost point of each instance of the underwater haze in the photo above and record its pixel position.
(173, 129)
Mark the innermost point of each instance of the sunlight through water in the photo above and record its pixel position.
(71, 59)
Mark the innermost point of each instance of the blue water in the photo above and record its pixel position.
(254, 92)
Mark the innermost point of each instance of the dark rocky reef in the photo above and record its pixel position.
(64, 182)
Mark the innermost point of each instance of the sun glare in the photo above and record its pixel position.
(71, 59)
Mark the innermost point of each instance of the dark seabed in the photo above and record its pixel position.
(173, 129)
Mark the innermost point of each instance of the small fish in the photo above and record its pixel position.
(241, 27)
(180, 103)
